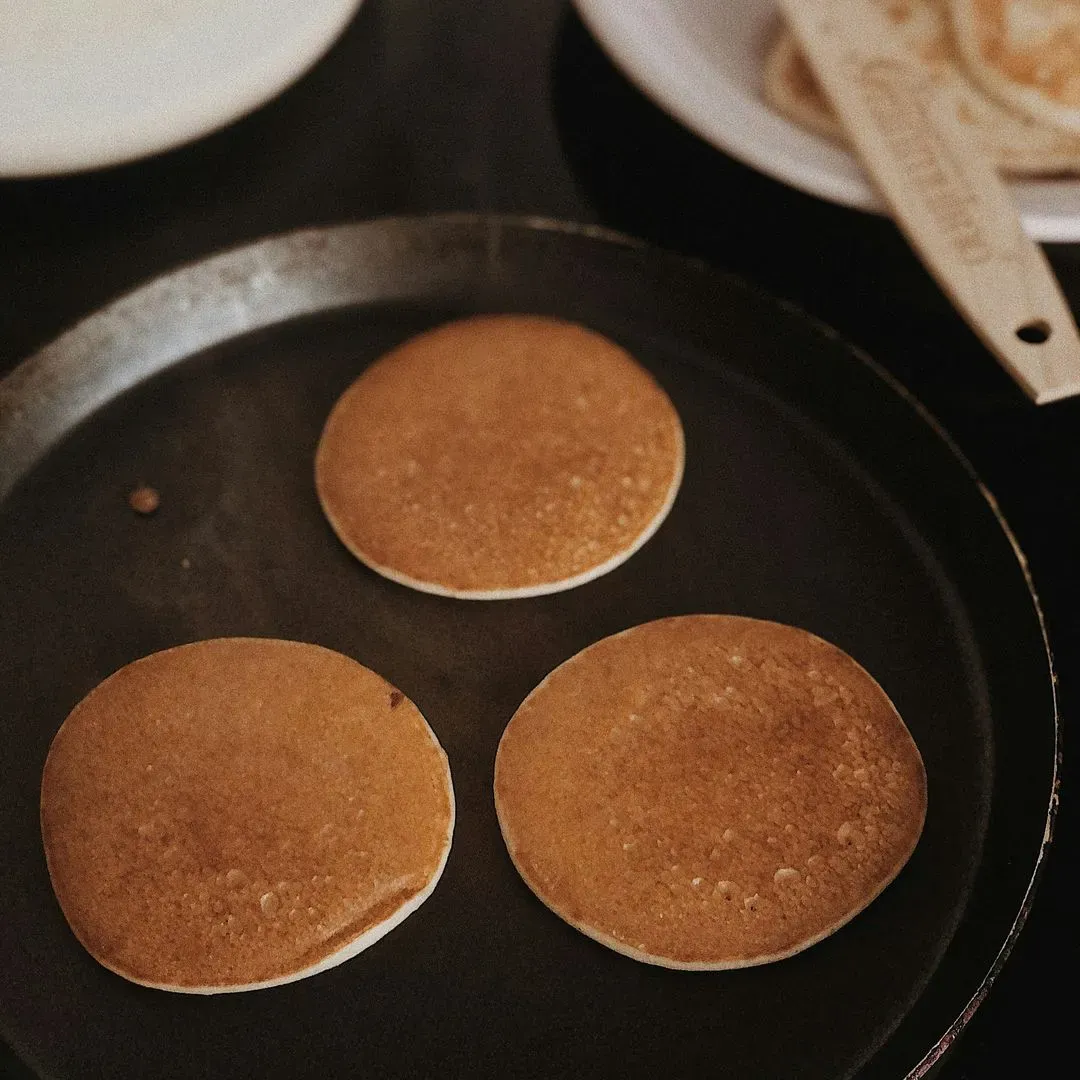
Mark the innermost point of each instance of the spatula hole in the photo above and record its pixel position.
(1034, 333)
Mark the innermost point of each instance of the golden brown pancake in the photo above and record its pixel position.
(499, 456)
(242, 812)
(1025, 53)
(1019, 145)
(709, 791)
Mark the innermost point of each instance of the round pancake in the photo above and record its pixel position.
(709, 791)
(1025, 53)
(1019, 145)
(242, 812)
(499, 456)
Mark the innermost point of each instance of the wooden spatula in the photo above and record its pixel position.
(944, 194)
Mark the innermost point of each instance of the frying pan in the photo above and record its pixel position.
(816, 493)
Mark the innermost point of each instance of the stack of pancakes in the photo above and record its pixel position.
(1011, 67)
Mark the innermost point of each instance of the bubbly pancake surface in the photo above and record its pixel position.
(709, 791)
(1020, 144)
(240, 812)
(500, 456)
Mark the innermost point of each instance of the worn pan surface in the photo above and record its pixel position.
(816, 493)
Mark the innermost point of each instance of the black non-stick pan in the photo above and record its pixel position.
(816, 493)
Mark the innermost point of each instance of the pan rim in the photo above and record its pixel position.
(31, 377)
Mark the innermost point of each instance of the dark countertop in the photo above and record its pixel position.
(483, 105)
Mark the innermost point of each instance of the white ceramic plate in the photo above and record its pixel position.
(86, 83)
(702, 60)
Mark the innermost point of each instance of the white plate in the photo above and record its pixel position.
(701, 60)
(86, 83)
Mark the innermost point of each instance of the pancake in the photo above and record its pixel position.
(793, 91)
(242, 812)
(499, 456)
(1024, 53)
(709, 791)
(1019, 145)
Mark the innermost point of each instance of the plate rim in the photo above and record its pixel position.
(226, 97)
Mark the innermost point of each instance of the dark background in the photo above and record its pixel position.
(489, 105)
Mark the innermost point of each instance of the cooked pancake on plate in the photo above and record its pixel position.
(792, 89)
(1019, 145)
(500, 456)
(709, 791)
(242, 812)
(1025, 53)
